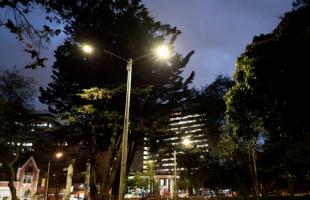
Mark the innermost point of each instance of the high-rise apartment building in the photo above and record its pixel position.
(188, 132)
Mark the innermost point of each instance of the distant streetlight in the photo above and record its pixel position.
(187, 143)
(163, 53)
(57, 155)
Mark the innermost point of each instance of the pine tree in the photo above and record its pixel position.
(124, 28)
(16, 98)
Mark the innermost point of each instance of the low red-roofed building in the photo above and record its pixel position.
(26, 183)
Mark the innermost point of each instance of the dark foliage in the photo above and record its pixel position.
(270, 99)
(126, 29)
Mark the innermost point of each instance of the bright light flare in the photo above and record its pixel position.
(162, 52)
(58, 155)
(87, 49)
(186, 142)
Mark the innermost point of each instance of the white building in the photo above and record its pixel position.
(189, 132)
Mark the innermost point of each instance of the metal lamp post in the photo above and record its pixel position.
(47, 179)
(57, 155)
(175, 192)
(187, 143)
(125, 133)
(88, 49)
(162, 52)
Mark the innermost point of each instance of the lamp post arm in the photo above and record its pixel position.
(116, 56)
(140, 57)
(127, 60)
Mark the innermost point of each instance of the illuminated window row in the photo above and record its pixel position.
(28, 144)
(167, 164)
(185, 117)
(202, 145)
(169, 139)
(183, 122)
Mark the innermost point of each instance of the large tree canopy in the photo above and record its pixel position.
(210, 103)
(16, 98)
(270, 98)
(126, 29)
(272, 81)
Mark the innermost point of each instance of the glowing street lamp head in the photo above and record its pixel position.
(87, 49)
(162, 52)
(58, 154)
(186, 142)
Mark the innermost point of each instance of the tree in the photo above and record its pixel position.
(16, 19)
(16, 96)
(262, 76)
(209, 103)
(269, 96)
(125, 28)
(138, 184)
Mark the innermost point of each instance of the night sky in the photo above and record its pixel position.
(218, 31)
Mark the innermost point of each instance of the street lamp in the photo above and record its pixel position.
(175, 192)
(57, 155)
(87, 49)
(163, 53)
(187, 143)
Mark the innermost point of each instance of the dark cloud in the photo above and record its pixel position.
(218, 31)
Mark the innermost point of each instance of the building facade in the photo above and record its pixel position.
(26, 182)
(188, 132)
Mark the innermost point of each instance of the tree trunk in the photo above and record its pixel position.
(258, 187)
(108, 163)
(108, 180)
(253, 169)
(13, 174)
(290, 183)
(69, 169)
(57, 192)
(92, 185)
(243, 189)
(93, 193)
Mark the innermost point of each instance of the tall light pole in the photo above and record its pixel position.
(187, 143)
(162, 52)
(57, 155)
(47, 179)
(175, 192)
(122, 180)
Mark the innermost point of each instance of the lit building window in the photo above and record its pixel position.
(27, 177)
